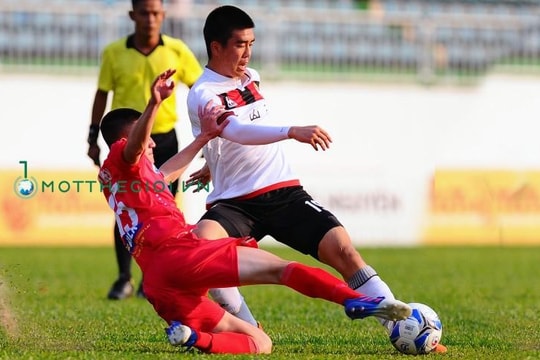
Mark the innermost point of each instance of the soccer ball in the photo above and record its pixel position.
(419, 333)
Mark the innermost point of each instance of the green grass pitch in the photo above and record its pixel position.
(53, 306)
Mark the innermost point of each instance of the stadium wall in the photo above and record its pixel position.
(408, 164)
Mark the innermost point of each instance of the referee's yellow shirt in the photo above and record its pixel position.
(129, 75)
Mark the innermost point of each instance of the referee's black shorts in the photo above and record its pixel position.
(289, 215)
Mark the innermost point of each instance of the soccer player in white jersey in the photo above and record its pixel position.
(255, 191)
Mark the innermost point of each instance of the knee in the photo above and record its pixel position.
(264, 344)
(336, 245)
(337, 250)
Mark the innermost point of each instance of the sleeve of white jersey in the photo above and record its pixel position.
(253, 134)
(245, 133)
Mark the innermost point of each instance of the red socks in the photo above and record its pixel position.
(316, 283)
(225, 343)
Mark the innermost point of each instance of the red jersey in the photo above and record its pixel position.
(141, 200)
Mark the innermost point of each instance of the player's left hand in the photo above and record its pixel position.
(199, 178)
(314, 135)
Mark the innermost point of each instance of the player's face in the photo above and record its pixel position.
(235, 56)
(148, 16)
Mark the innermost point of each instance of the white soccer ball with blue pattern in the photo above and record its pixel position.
(418, 334)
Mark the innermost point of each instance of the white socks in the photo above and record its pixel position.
(233, 302)
(368, 282)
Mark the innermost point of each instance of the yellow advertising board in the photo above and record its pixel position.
(478, 207)
(53, 207)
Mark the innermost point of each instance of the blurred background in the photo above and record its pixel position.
(429, 41)
(432, 105)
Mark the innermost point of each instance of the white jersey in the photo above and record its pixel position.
(238, 170)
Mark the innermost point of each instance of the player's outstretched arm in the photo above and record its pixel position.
(256, 134)
(139, 136)
(173, 168)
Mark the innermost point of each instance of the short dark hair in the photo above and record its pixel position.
(116, 124)
(221, 22)
(135, 2)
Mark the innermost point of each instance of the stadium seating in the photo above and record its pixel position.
(440, 35)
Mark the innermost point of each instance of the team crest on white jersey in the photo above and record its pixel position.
(230, 103)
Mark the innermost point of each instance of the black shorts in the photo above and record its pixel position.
(289, 215)
(166, 147)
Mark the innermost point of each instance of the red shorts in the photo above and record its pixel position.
(178, 275)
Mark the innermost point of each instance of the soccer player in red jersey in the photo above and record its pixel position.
(179, 267)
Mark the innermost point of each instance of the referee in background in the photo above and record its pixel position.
(128, 67)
